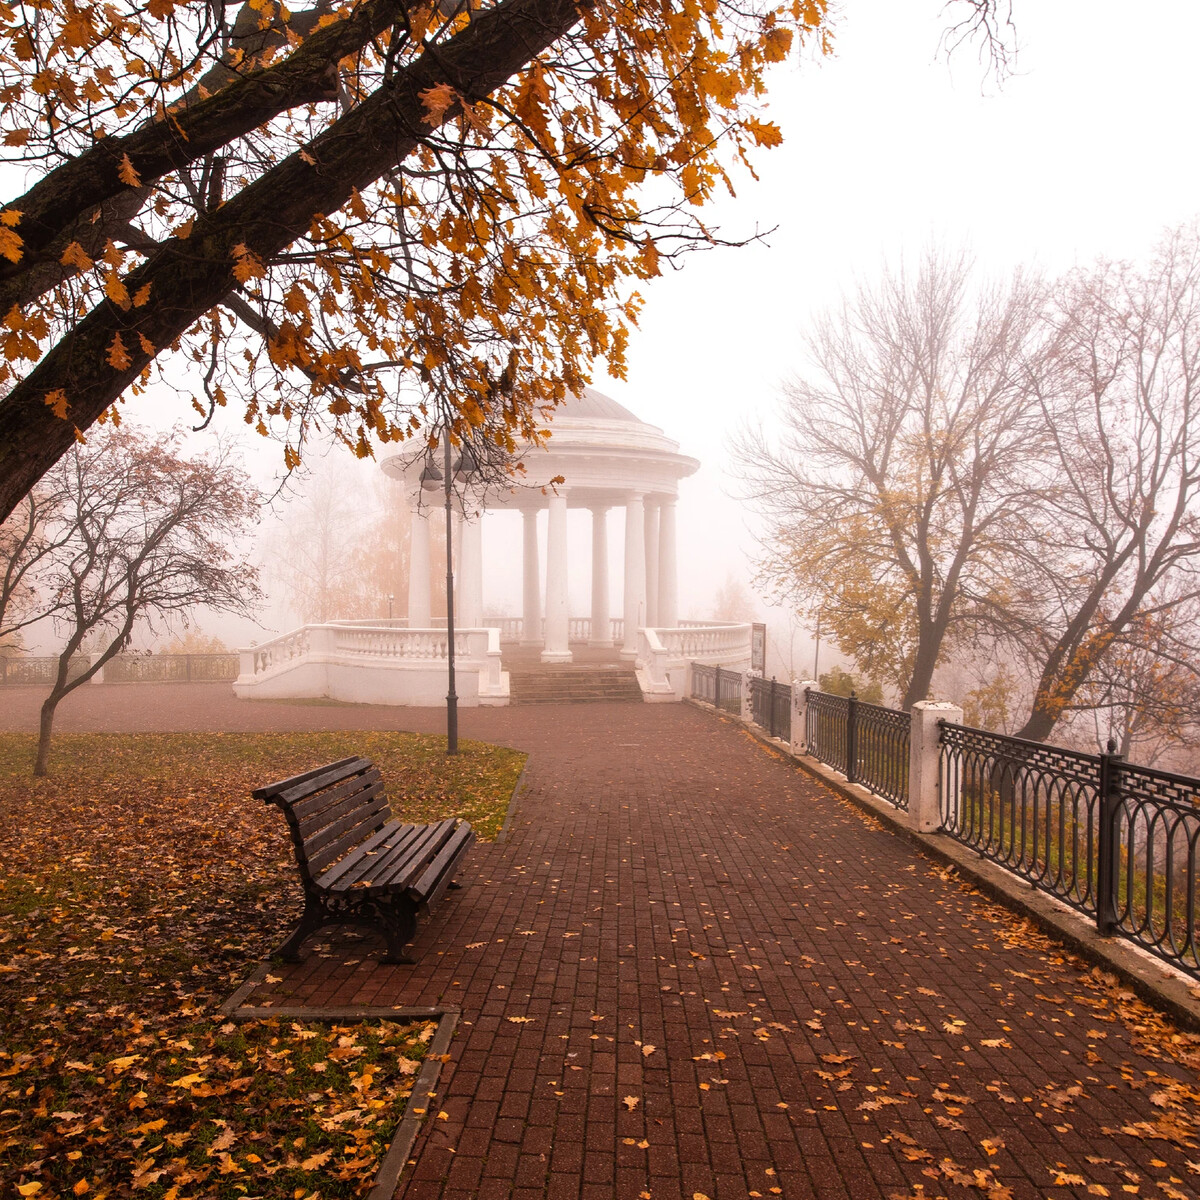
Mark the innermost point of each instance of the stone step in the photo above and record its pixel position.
(562, 685)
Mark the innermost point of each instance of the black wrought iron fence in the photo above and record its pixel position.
(1116, 841)
(30, 669)
(867, 743)
(718, 686)
(171, 668)
(827, 728)
(881, 748)
(771, 706)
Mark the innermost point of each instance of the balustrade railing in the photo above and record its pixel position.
(421, 644)
(279, 650)
(1116, 841)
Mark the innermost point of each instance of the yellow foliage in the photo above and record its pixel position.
(488, 271)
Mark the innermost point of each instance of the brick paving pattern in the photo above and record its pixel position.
(687, 968)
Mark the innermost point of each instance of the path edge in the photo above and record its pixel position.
(395, 1158)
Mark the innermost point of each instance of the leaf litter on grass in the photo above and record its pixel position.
(138, 884)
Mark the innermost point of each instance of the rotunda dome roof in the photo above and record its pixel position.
(591, 405)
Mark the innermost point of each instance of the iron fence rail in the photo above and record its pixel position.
(867, 743)
(171, 668)
(771, 706)
(1115, 841)
(881, 742)
(717, 686)
(30, 669)
(125, 668)
(827, 729)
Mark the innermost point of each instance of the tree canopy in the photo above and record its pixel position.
(317, 209)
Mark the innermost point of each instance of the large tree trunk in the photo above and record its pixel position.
(63, 205)
(188, 277)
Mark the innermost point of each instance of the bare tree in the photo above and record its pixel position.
(142, 533)
(1113, 565)
(901, 474)
(29, 540)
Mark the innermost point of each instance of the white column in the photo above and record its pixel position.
(924, 764)
(468, 613)
(651, 521)
(668, 583)
(601, 620)
(635, 574)
(531, 584)
(418, 571)
(557, 647)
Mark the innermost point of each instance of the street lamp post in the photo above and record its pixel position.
(431, 481)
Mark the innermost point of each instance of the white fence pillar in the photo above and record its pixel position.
(924, 767)
(800, 712)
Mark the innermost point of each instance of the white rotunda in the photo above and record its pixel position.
(607, 459)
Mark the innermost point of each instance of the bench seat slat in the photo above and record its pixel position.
(332, 878)
(436, 873)
(430, 846)
(370, 858)
(400, 863)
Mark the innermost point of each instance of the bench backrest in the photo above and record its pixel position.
(329, 810)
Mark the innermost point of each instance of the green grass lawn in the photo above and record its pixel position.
(139, 884)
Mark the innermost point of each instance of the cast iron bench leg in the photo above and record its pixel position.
(399, 924)
(312, 920)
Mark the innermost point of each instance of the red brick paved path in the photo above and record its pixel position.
(820, 999)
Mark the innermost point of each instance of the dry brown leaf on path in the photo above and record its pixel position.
(1066, 1178)
(631, 1102)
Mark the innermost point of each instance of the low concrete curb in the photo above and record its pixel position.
(424, 1089)
(1154, 981)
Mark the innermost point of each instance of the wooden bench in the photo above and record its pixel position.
(359, 865)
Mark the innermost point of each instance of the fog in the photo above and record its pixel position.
(890, 147)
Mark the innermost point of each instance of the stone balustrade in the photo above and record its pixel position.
(665, 655)
(375, 664)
